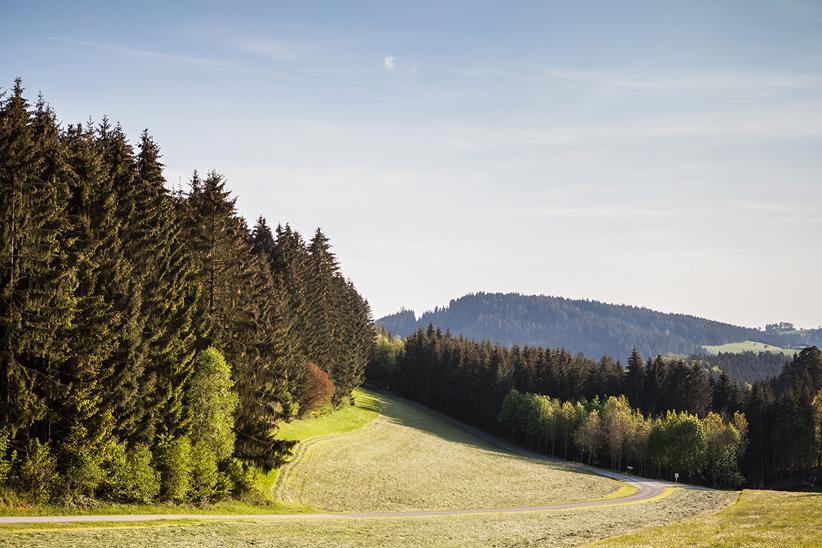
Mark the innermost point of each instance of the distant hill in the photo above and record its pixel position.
(590, 327)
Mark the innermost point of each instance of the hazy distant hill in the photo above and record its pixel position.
(591, 327)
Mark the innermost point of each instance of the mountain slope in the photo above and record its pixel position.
(591, 327)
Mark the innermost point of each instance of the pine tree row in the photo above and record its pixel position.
(112, 289)
(470, 380)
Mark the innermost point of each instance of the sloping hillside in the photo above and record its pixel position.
(412, 459)
(591, 327)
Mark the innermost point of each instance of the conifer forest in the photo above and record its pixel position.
(151, 342)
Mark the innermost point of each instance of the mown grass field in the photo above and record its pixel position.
(364, 409)
(554, 528)
(411, 459)
(747, 346)
(758, 518)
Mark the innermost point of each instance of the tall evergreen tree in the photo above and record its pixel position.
(634, 379)
(36, 281)
(237, 295)
(169, 300)
(85, 417)
(129, 388)
(325, 302)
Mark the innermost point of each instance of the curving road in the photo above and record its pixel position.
(648, 489)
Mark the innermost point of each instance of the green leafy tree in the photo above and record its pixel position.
(175, 469)
(616, 422)
(212, 404)
(512, 413)
(589, 435)
(204, 473)
(722, 441)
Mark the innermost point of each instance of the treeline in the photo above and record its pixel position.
(114, 290)
(611, 433)
(469, 380)
(747, 367)
(586, 326)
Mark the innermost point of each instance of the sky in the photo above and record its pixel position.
(660, 154)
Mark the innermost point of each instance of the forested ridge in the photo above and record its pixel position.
(586, 326)
(151, 342)
(657, 415)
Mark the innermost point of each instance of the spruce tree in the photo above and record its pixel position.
(634, 377)
(237, 293)
(86, 417)
(325, 302)
(36, 281)
(169, 303)
(130, 388)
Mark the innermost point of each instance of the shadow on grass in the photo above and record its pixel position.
(410, 414)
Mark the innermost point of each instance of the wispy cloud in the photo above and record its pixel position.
(807, 10)
(692, 81)
(292, 74)
(389, 62)
(798, 119)
(263, 47)
(135, 52)
(656, 81)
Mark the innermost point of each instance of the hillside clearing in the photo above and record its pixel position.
(758, 518)
(554, 528)
(411, 459)
(747, 346)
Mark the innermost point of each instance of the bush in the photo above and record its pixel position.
(213, 403)
(240, 477)
(204, 475)
(131, 477)
(82, 475)
(145, 480)
(6, 460)
(117, 473)
(318, 388)
(38, 471)
(175, 469)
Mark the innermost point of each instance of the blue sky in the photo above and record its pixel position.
(664, 154)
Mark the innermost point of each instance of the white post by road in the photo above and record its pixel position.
(676, 478)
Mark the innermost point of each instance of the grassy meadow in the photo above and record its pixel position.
(758, 518)
(411, 459)
(747, 346)
(403, 458)
(365, 408)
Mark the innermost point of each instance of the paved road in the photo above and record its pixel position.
(648, 489)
